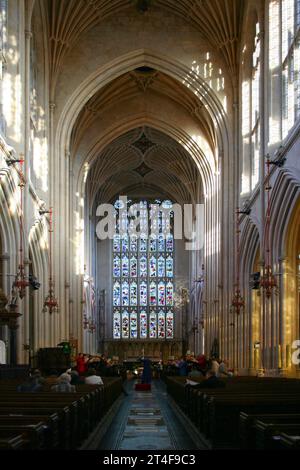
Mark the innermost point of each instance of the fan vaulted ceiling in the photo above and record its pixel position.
(140, 83)
(144, 163)
(218, 20)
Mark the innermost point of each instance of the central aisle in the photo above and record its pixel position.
(146, 421)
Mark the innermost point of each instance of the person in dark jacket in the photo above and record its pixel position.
(211, 381)
(183, 367)
(147, 372)
(31, 386)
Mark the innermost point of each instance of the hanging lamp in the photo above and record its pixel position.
(21, 282)
(51, 303)
(268, 282)
(238, 302)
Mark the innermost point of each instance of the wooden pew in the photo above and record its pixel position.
(247, 433)
(286, 441)
(51, 425)
(73, 414)
(223, 413)
(11, 441)
(33, 434)
(63, 413)
(266, 432)
(197, 402)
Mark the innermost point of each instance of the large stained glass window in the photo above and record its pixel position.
(143, 273)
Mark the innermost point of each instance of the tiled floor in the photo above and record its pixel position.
(146, 421)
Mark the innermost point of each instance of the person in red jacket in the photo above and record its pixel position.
(81, 365)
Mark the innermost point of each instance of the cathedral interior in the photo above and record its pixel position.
(120, 108)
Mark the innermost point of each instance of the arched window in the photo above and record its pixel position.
(290, 58)
(3, 46)
(251, 109)
(255, 115)
(143, 276)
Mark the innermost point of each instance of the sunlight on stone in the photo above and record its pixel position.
(13, 205)
(78, 242)
(205, 147)
(40, 161)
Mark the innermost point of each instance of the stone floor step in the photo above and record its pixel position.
(145, 411)
(145, 422)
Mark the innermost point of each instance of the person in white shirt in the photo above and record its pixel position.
(223, 370)
(214, 366)
(92, 378)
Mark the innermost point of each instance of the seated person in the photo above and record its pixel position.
(211, 381)
(195, 372)
(92, 378)
(64, 384)
(75, 377)
(31, 385)
(223, 370)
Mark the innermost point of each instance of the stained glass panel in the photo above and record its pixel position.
(143, 266)
(117, 266)
(153, 325)
(143, 245)
(161, 243)
(117, 243)
(152, 244)
(133, 267)
(125, 243)
(161, 325)
(152, 266)
(125, 325)
(170, 294)
(169, 266)
(133, 294)
(153, 294)
(170, 243)
(125, 294)
(161, 294)
(170, 325)
(143, 294)
(143, 324)
(133, 243)
(133, 325)
(116, 294)
(161, 267)
(125, 266)
(117, 325)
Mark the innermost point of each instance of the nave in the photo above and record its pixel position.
(148, 421)
(150, 208)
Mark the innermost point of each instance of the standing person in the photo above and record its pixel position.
(147, 373)
(183, 367)
(81, 364)
(160, 369)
